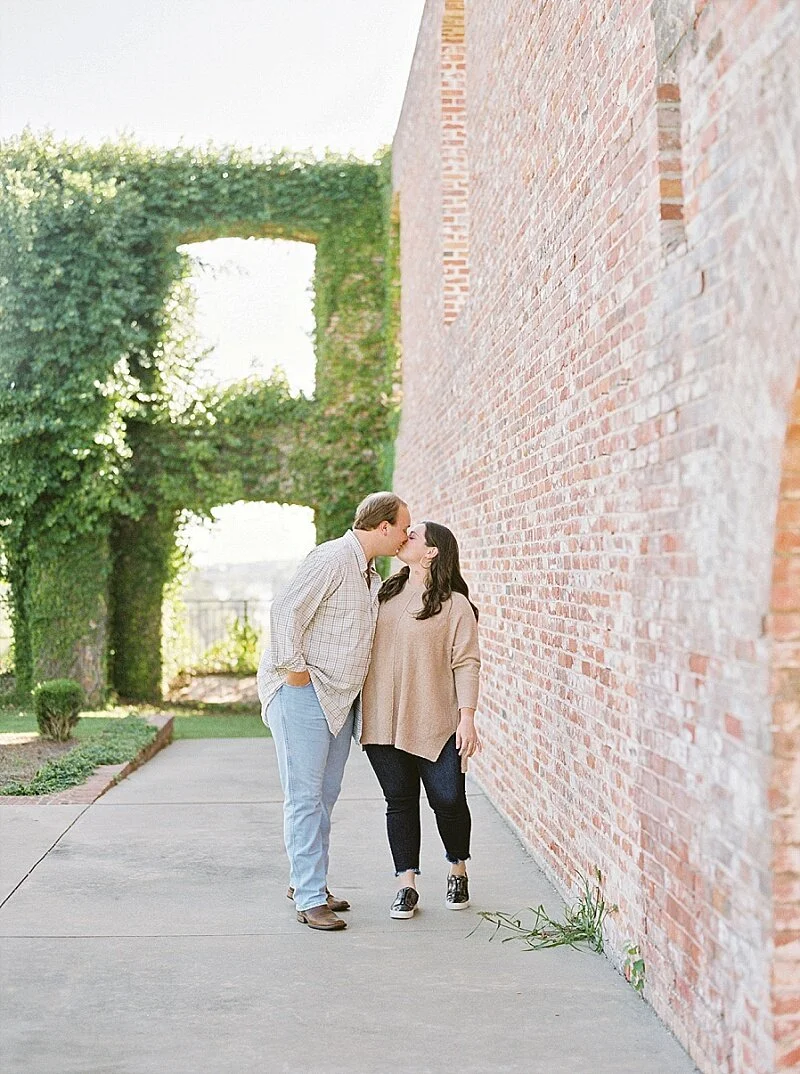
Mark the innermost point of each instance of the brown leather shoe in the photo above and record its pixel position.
(337, 905)
(320, 917)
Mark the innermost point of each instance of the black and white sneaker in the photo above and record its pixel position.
(457, 893)
(405, 903)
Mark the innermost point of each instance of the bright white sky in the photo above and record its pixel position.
(297, 74)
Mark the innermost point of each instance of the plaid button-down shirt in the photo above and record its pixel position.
(323, 622)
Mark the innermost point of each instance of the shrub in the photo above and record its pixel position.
(237, 654)
(57, 703)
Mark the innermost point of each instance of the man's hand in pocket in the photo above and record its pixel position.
(297, 678)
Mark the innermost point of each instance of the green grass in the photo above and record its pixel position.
(90, 724)
(191, 720)
(200, 720)
(202, 726)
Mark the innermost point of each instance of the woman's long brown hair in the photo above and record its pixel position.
(444, 577)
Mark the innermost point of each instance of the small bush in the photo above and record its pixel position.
(57, 703)
(237, 654)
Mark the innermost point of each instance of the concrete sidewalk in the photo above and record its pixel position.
(149, 933)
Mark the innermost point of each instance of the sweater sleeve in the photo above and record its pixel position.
(465, 657)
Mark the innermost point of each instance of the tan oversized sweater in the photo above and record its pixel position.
(421, 673)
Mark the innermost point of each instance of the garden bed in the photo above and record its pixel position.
(23, 754)
(78, 771)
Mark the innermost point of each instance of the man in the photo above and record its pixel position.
(309, 680)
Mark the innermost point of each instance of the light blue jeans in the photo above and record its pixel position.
(311, 764)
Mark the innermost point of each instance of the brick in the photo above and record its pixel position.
(600, 381)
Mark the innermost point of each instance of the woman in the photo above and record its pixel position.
(418, 707)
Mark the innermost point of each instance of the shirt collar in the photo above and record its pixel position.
(355, 544)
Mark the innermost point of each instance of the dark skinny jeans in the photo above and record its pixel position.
(399, 774)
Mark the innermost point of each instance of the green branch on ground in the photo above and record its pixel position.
(582, 923)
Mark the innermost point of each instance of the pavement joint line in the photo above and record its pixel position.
(203, 801)
(236, 801)
(366, 931)
(220, 802)
(40, 860)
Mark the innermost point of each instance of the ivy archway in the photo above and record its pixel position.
(104, 437)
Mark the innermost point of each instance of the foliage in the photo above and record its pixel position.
(6, 637)
(105, 433)
(394, 350)
(57, 704)
(237, 654)
(69, 279)
(65, 607)
(583, 921)
(633, 968)
(116, 744)
(176, 642)
(7, 662)
(144, 551)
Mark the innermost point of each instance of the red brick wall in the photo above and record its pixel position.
(602, 423)
(784, 628)
(455, 203)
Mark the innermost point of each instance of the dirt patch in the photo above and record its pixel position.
(21, 756)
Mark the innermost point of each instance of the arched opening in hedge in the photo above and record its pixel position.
(99, 450)
(216, 612)
(254, 309)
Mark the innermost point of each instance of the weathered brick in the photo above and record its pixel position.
(598, 222)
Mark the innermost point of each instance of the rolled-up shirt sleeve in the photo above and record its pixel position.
(292, 611)
(466, 659)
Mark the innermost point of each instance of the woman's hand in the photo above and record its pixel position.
(467, 741)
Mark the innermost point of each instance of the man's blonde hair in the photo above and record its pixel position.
(376, 508)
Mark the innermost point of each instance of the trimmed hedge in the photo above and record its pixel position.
(56, 705)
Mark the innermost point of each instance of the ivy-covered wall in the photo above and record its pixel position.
(105, 436)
